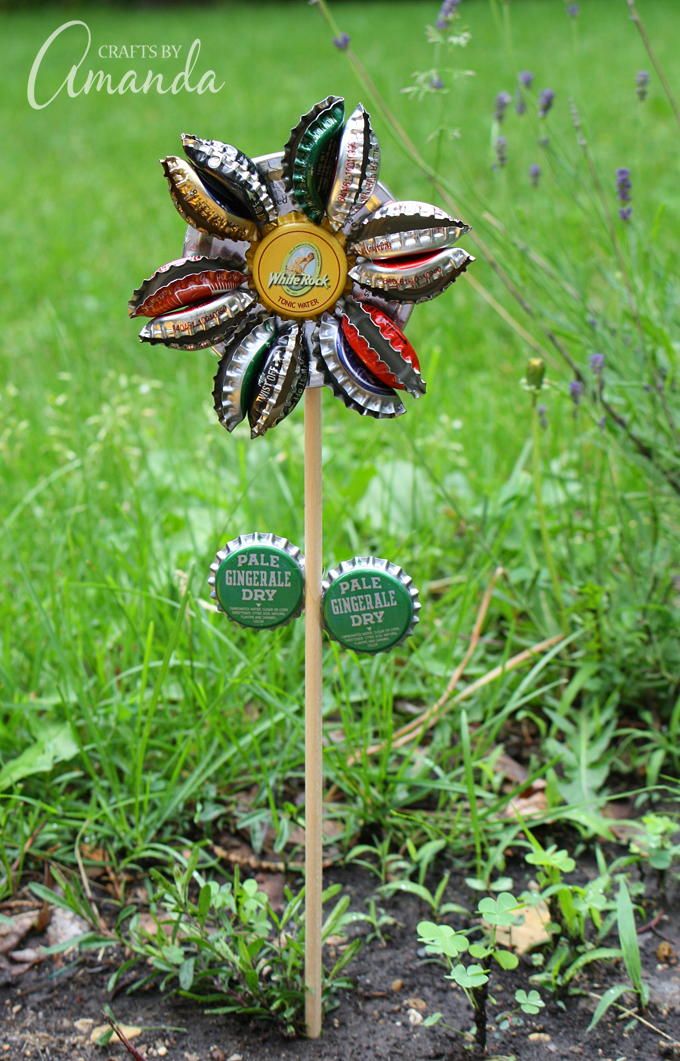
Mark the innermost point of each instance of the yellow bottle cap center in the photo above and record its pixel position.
(299, 269)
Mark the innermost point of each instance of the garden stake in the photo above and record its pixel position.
(331, 269)
(313, 713)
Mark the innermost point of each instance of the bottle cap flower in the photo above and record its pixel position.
(298, 271)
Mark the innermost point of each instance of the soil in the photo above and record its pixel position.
(49, 1012)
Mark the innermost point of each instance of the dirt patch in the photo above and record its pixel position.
(50, 1012)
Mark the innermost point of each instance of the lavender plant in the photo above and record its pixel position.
(621, 319)
(598, 309)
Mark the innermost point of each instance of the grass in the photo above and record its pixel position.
(119, 486)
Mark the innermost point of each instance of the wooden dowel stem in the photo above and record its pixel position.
(313, 714)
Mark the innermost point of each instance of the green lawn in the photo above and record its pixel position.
(119, 485)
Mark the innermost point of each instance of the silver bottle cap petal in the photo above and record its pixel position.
(404, 228)
(199, 208)
(281, 382)
(186, 280)
(237, 373)
(381, 345)
(413, 280)
(349, 379)
(357, 169)
(199, 326)
(310, 156)
(232, 173)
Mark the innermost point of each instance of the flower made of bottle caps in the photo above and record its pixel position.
(307, 268)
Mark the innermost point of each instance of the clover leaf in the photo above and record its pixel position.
(499, 911)
(529, 1002)
(442, 939)
(469, 979)
(506, 959)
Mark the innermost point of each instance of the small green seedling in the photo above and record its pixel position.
(418, 863)
(499, 912)
(625, 916)
(656, 844)
(432, 899)
(551, 865)
(445, 942)
(630, 952)
(554, 861)
(573, 909)
(478, 884)
(378, 858)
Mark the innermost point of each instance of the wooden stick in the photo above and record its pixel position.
(313, 715)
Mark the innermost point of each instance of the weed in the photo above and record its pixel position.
(625, 919)
(225, 946)
(450, 945)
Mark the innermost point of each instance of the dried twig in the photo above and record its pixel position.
(125, 1041)
(263, 865)
(649, 926)
(428, 718)
(417, 724)
(625, 1012)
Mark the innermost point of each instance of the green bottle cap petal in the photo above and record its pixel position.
(311, 153)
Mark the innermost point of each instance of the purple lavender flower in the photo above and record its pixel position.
(446, 13)
(501, 146)
(342, 42)
(623, 184)
(573, 10)
(503, 99)
(576, 391)
(534, 174)
(641, 84)
(520, 105)
(597, 363)
(545, 102)
(525, 78)
(436, 82)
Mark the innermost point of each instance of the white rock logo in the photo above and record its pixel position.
(301, 271)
